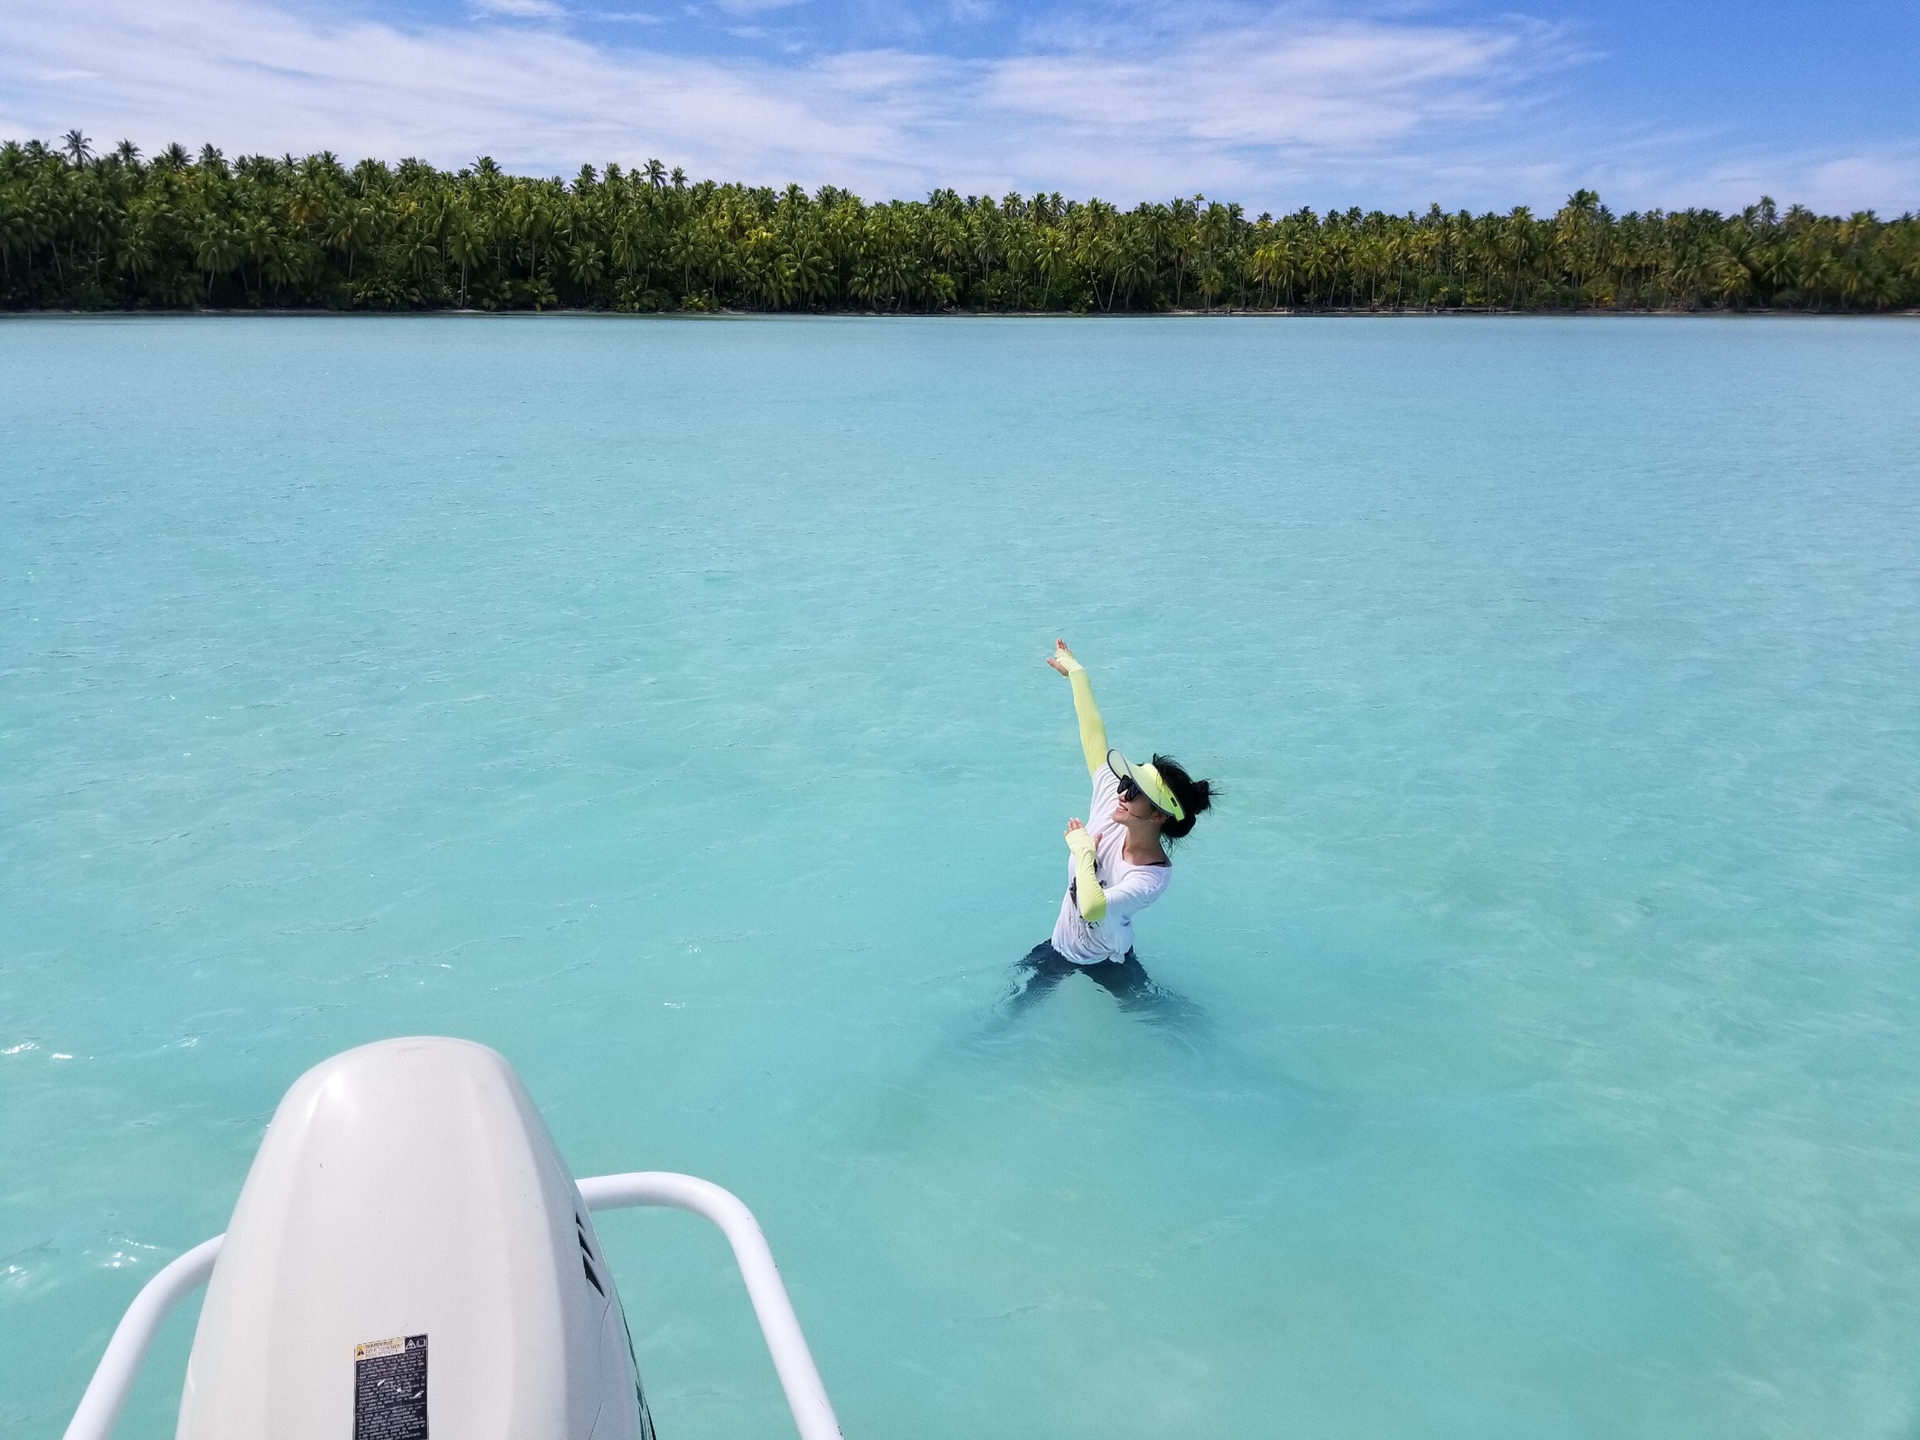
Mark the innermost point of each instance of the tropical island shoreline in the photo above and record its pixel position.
(724, 313)
(179, 233)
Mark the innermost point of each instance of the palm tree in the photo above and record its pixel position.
(1264, 265)
(1319, 266)
(587, 264)
(78, 148)
(1517, 246)
(687, 252)
(138, 251)
(349, 227)
(466, 243)
(258, 240)
(810, 270)
(1183, 239)
(1572, 236)
(216, 248)
(1051, 256)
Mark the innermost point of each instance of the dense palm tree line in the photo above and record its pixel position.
(180, 231)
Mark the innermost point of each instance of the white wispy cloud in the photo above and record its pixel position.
(520, 9)
(1883, 177)
(1342, 86)
(1275, 108)
(250, 77)
(753, 7)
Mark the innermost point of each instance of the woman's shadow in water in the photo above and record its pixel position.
(1305, 1123)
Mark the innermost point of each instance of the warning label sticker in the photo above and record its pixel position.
(390, 1389)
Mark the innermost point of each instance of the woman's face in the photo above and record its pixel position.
(1134, 808)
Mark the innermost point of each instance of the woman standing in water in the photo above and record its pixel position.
(1119, 865)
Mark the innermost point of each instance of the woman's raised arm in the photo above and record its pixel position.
(1093, 730)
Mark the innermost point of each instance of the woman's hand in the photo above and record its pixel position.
(1079, 840)
(1063, 661)
(1073, 825)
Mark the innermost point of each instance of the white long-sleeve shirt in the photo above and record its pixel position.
(1129, 888)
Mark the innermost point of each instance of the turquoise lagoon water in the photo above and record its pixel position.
(662, 703)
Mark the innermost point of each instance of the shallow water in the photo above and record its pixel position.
(662, 703)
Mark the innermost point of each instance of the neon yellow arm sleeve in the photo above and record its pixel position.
(1088, 895)
(1093, 730)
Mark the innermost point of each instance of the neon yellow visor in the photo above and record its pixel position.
(1146, 780)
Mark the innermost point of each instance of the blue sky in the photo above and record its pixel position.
(1277, 106)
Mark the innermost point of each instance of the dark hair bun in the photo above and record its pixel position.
(1195, 796)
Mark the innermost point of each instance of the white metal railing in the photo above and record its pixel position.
(133, 1337)
(806, 1396)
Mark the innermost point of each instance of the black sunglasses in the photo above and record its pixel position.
(1128, 790)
